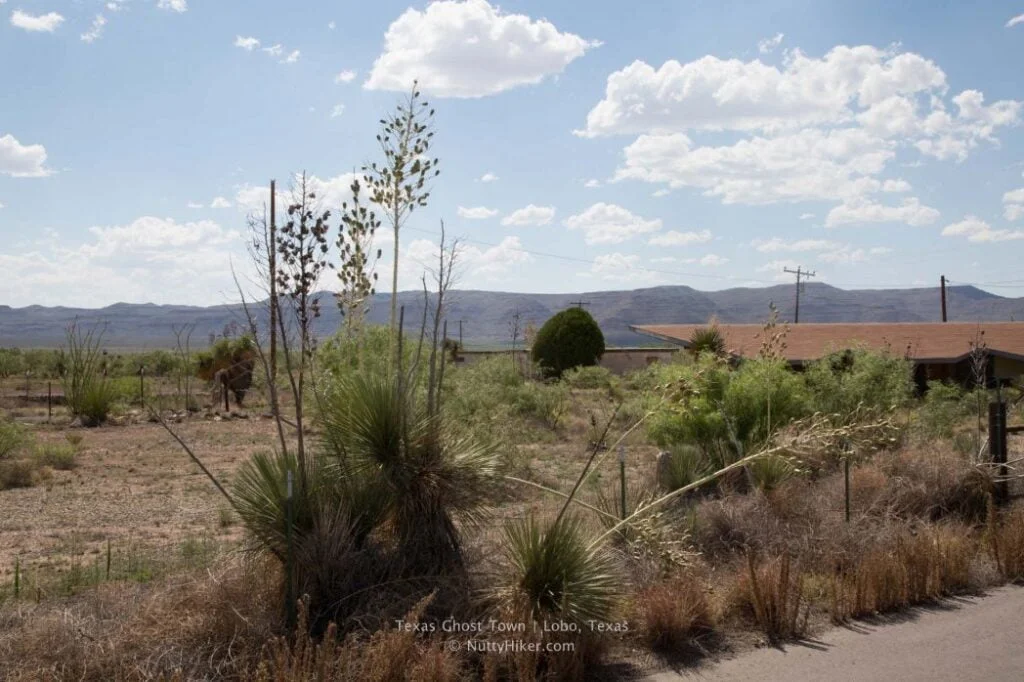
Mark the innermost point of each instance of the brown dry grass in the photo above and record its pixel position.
(671, 616)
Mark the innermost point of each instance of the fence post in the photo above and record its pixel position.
(622, 478)
(49, 400)
(997, 448)
(846, 484)
(142, 386)
(289, 582)
(108, 559)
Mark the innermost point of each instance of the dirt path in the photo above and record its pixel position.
(963, 639)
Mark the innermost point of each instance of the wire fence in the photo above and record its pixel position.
(63, 573)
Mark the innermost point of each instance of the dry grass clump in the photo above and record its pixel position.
(1006, 539)
(389, 655)
(933, 483)
(773, 591)
(903, 569)
(202, 626)
(672, 616)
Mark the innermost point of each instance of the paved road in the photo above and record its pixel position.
(965, 639)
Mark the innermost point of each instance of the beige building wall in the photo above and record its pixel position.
(616, 360)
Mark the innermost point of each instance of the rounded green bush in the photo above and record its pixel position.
(569, 339)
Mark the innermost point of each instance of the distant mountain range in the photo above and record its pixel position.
(486, 315)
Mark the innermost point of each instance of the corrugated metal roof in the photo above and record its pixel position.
(922, 341)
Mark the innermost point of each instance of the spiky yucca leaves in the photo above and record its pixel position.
(429, 475)
(707, 340)
(555, 575)
(332, 516)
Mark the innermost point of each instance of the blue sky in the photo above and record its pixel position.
(709, 144)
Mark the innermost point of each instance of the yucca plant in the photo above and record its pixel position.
(707, 340)
(555, 574)
(429, 473)
(683, 465)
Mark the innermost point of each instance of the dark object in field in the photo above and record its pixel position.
(229, 364)
(236, 378)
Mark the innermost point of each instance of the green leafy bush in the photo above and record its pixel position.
(12, 438)
(842, 381)
(945, 405)
(588, 377)
(95, 402)
(56, 455)
(16, 473)
(569, 339)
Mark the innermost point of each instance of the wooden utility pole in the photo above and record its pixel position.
(272, 264)
(799, 272)
(580, 303)
(942, 287)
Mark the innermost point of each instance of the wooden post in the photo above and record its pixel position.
(622, 478)
(846, 484)
(997, 448)
(289, 582)
(49, 400)
(272, 265)
(942, 286)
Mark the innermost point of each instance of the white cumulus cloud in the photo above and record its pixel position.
(95, 30)
(676, 238)
(1019, 19)
(769, 44)
(977, 230)
(36, 23)
(529, 215)
(346, 76)
(247, 42)
(476, 212)
(173, 5)
(471, 49)
(488, 177)
(610, 224)
(911, 212)
(22, 160)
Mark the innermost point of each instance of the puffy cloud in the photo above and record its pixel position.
(330, 193)
(676, 238)
(769, 44)
(1019, 19)
(729, 94)
(808, 165)
(776, 244)
(1015, 196)
(173, 5)
(711, 260)
(899, 185)
(1013, 204)
(592, 183)
(529, 215)
(621, 267)
(488, 177)
(421, 256)
(220, 202)
(911, 212)
(22, 161)
(346, 76)
(610, 224)
(471, 49)
(292, 57)
(476, 213)
(247, 43)
(977, 230)
(41, 23)
(806, 216)
(148, 260)
(95, 30)
(337, 110)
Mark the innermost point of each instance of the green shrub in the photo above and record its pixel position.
(569, 339)
(12, 438)
(769, 472)
(707, 340)
(588, 377)
(945, 405)
(683, 465)
(95, 402)
(546, 402)
(842, 381)
(16, 473)
(56, 455)
(725, 410)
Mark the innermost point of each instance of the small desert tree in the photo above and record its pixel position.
(398, 184)
(570, 339)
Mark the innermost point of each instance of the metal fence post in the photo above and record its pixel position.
(846, 484)
(997, 448)
(622, 478)
(289, 582)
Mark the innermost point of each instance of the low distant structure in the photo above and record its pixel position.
(939, 350)
(616, 360)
